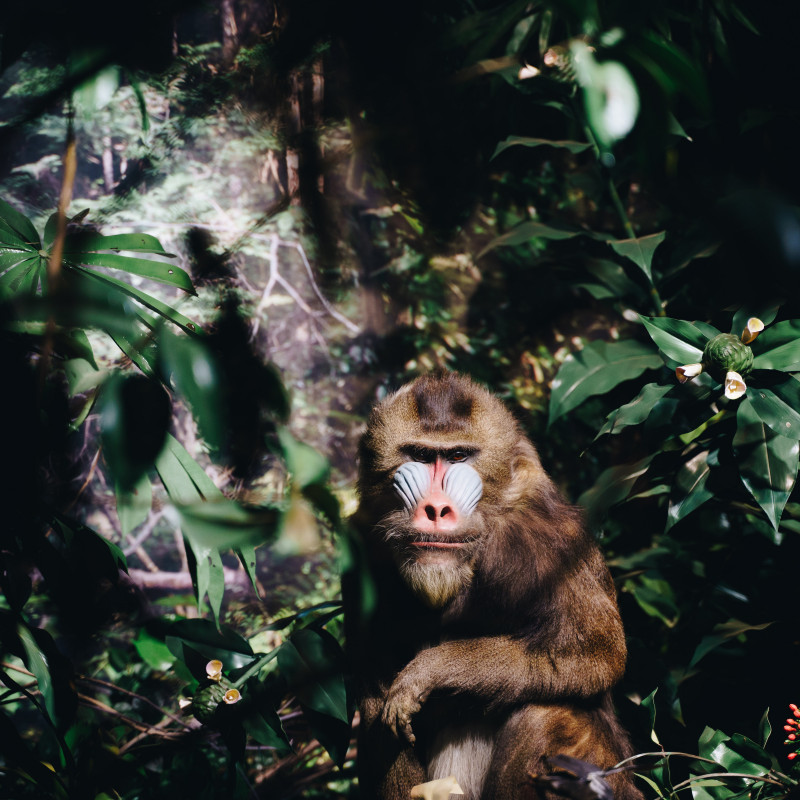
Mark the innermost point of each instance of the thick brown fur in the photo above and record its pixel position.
(515, 665)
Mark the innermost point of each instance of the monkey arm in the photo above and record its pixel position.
(505, 670)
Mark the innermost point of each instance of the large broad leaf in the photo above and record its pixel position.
(722, 633)
(132, 242)
(17, 229)
(772, 408)
(133, 505)
(184, 479)
(527, 231)
(679, 341)
(637, 411)
(527, 141)
(767, 461)
(640, 251)
(223, 643)
(145, 299)
(305, 464)
(195, 373)
(655, 597)
(225, 525)
(779, 347)
(765, 313)
(611, 487)
(689, 490)
(159, 271)
(597, 369)
(311, 662)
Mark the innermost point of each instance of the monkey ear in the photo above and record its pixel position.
(528, 478)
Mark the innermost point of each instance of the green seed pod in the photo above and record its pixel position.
(207, 700)
(727, 353)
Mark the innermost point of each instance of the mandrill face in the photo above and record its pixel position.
(441, 469)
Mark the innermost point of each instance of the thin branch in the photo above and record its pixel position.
(144, 533)
(328, 307)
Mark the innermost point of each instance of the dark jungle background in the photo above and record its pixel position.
(228, 227)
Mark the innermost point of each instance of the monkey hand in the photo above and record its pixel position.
(404, 699)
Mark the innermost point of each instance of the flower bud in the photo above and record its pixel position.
(792, 756)
(727, 353)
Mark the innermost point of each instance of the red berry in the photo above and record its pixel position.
(791, 737)
(797, 712)
(793, 706)
(792, 756)
(788, 728)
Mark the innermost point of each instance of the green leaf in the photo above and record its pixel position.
(21, 279)
(265, 726)
(655, 597)
(203, 637)
(765, 313)
(527, 141)
(681, 342)
(597, 369)
(247, 556)
(224, 524)
(527, 231)
(635, 412)
(640, 251)
(16, 228)
(649, 704)
(689, 490)
(614, 277)
(36, 662)
(143, 356)
(184, 479)
(310, 661)
(775, 412)
(306, 465)
(779, 347)
(723, 633)
(767, 462)
(145, 299)
(207, 574)
(612, 487)
(159, 271)
(153, 651)
(135, 412)
(195, 374)
(133, 505)
(133, 242)
(764, 729)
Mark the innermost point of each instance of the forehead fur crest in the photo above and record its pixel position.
(441, 411)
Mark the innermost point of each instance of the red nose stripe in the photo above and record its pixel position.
(438, 544)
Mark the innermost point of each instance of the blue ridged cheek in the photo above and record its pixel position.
(463, 486)
(411, 482)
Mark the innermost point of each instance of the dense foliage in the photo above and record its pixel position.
(590, 206)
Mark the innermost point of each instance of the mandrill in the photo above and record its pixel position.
(496, 638)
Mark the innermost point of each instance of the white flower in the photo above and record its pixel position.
(752, 329)
(734, 386)
(214, 669)
(232, 696)
(688, 371)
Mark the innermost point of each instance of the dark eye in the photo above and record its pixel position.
(421, 454)
(457, 455)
